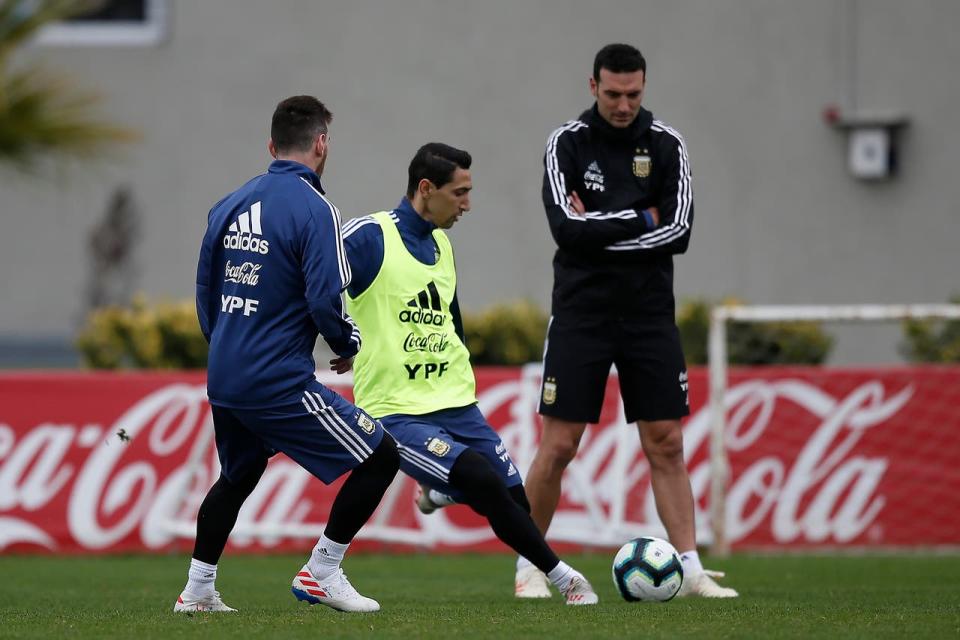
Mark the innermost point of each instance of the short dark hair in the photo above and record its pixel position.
(619, 58)
(436, 162)
(297, 121)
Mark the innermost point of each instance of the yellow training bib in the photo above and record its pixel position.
(412, 361)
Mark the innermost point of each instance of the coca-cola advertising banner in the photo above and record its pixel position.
(100, 462)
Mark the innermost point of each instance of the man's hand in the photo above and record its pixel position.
(576, 203)
(656, 215)
(341, 365)
(577, 206)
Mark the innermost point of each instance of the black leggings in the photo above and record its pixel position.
(362, 492)
(507, 510)
(354, 504)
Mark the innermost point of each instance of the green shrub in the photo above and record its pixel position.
(506, 334)
(932, 340)
(693, 320)
(752, 343)
(165, 335)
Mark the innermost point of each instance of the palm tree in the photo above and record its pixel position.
(40, 114)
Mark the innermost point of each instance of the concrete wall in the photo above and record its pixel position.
(779, 219)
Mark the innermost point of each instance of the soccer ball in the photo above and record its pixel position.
(647, 569)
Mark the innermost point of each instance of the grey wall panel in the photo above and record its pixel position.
(779, 220)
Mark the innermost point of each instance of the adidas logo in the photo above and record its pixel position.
(421, 299)
(426, 308)
(244, 231)
(593, 178)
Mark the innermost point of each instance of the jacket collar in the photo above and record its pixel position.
(295, 168)
(636, 129)
(409, 219)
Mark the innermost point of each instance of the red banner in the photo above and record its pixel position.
(97, 462)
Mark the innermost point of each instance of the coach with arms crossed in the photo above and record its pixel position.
(618, 198)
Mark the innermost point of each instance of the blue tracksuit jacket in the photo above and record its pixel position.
(270, 278)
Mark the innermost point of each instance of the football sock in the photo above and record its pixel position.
(201, 578)
(326, 558)
(691, 563)
(561, 575)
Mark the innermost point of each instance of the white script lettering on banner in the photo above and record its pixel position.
(604, 478)
(820, 490)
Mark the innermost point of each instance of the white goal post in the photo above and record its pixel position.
(717, 358)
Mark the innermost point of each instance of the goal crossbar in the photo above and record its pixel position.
(720, 316)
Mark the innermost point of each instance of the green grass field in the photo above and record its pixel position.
(471, 596)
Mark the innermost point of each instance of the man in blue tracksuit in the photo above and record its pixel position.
(270, 278)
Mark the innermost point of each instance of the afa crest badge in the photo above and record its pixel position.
(438, 447)
(366, 423)
(549, 391)
(641, 165)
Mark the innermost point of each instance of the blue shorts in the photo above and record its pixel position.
(429, 444)
(323, 433)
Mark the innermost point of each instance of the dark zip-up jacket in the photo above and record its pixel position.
(270, 278)
(612, 261)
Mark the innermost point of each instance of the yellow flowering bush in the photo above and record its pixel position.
(752, 343)
(932, 340)
(164, 335)
(511, 333)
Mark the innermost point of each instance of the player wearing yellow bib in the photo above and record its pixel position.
(413, 371)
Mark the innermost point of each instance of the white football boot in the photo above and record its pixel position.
(703, 585)
(335, 592)
(532, 583)
(428, 505)
(189, 603)
(579, 592)
(424, 503)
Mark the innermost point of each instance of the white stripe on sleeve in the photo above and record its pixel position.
(558, 185)
(681, 222)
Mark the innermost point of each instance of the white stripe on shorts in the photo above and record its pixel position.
(406, 455)
(424, 461)
(316, 413)
(336, 420)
